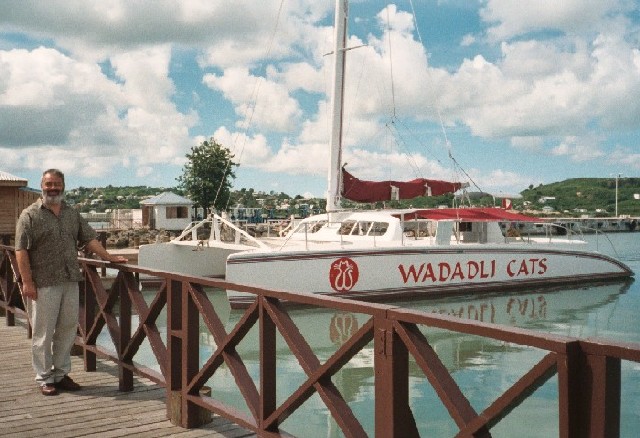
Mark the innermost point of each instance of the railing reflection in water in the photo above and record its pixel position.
(392, 341)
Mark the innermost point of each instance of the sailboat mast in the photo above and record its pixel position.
(337, 108)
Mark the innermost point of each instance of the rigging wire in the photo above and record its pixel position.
(413, 12)
(398, 121)
(394, 117)
(396, 134)
(357, 92)
(393, 93)
(456, 166)
(251, 108)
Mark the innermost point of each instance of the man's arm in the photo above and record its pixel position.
(96, 247)
(29, 289)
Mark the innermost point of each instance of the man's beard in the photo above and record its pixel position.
(52, 199)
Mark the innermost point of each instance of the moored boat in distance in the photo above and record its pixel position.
(591, 225)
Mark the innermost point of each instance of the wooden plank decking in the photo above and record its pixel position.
(98, 409)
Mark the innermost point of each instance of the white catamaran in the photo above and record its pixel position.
(375, 253)
(371, 254)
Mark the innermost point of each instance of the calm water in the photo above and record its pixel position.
(483, 368)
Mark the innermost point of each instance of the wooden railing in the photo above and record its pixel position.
(588, 373)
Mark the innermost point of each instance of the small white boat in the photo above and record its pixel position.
(201, 249)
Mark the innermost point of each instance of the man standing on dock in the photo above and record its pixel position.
(49, 234)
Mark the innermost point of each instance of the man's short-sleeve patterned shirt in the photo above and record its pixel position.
(52, 242)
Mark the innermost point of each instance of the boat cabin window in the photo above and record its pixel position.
(362, 228)
(378, 228)
(474, 232)
(466, 227)
(310, 227)
(419, 228)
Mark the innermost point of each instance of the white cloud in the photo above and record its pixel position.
(144, 171)
(578, 149)
(468, 40)
(529, 144)
(144, 73)
(501, 181)
(309, 158)
(259, 103)
(247, 151)
(533, 59)
(512, 17)
(625, 157)
(547, 89)
(300, 76)
(396, 20)
(48, 99)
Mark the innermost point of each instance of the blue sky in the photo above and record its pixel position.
(520, 93)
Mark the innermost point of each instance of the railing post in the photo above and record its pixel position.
(11, 293)
(184, 356)
(7, 277)
(102, 238)
(267, 365)
(589, 394)
(190, 355)
(174, 350)
(5, 274)
(88, 305)
(125, 380)
(393, 416)
(606, 396)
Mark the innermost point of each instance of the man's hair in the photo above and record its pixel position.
(55, 172)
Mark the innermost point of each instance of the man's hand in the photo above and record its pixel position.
(29, 290)
(96, 248)
(117, 259)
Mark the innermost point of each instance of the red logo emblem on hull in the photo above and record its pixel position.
(343, 274)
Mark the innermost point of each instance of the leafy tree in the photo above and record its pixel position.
(207, 176)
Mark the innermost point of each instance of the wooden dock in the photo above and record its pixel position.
(99, 408)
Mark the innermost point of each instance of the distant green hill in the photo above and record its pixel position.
(592, 196)
(572, 197)
(595, 197)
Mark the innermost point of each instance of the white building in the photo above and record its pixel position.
(166, 211)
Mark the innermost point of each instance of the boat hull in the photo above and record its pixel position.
(186, 258)
(378, 272)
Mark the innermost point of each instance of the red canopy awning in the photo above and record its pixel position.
(471, 215)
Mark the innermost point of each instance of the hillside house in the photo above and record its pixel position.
(14, 197)
(166, 211)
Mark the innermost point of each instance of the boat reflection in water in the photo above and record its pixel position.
(483, 368)
(561, 311)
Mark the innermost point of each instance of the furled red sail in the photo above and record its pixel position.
(358, 190)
